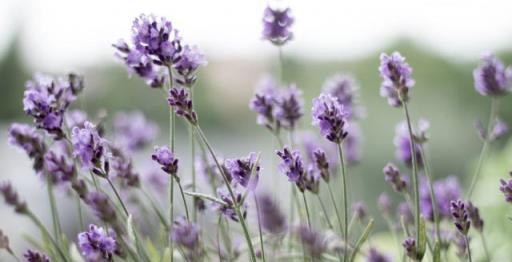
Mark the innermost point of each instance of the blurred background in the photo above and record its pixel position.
(442, 41)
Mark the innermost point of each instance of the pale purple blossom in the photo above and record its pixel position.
(271, 217)
(96, 245)
(133, 131)
(35, 256)
(344, 88)
(167, 159)
(396, 78)
(244, 171)
(328, 114)
(289, 107)
(402, 143)
(191, 58)
(491, 77)
(180, 102)
(88, 145)
(26, 138)
(276, 25)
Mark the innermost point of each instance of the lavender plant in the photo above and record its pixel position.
(93, 165)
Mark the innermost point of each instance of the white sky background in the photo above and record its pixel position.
(63, 34)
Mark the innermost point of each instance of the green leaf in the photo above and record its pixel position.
(154, 254)
(129, 228)
(75, 254)
(437, 252)
(361, 240)
(422, 245)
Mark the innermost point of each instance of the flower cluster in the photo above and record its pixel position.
(102, 207)
(167, 159)
(397, 78)
(179, 100)
(96, 245)
(402, 143)
(276, 25)
(88, 145)
(392, 176)
(186, 235)
(328, 114)
(228, 207)
(506, 188)
(12, 199)
(460, 216)
(446, 190)
(244, 171)
(26, 138)
(133, 131)
(314, 242)
(35, 256)
(491, 77)
(271, 217)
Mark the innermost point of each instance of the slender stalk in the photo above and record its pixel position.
(483, 152)
(433, 197)
(41, 227)
(172, 129)
(9, 250)
(118, 196)
(281, 65)
(466, 239)
(193, 159)
(486, 249)
(414, 172)
(171, 215)
(335, 208)
(184, 200)
(307, 209)
(55, 214)
(345, 202)
(259, 228)
(80, 214)
(228, 186)
(325, 212)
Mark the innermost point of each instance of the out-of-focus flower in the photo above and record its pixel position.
(96, 245)
(491, 78)
(264, 101)
(393, 177)
(4, 241)
(460, 216)
(289, 107)
(404, 210)
(375, 256)
(133, 131)
(190, 60)
(102, 207)
(27, 138)
(397, 78)
(179, 100)
(402, 142)
(122, 167)
(35, 256)
(277, 24)
(271, 217)
(244, 171)
(228, 208)
(446, 190)
(328, 114)
(384, 203)
(506, 188)
(58, 167)
(360, 211)
(321, 163)
(167, 159)
(315, 243)
(499, 130)
(75, 118)
(186, 235)
(409, 245)
(352, 144)
(344, 88)
(474, 216)
(11, 198)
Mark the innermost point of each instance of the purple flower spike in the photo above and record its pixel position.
(122, 168)
(344, 88)
(187, 236)
(460, 216)
(393, 177)
(228, 209)
(402, 142)
(182, 105)
(133, 131)
(397, 78)
(310, 180)
(321, 164)
(35, 256)
(360, 211)
(474, 216)
(276, 25)
(26, 138)
(328, 114)
(96, 245)
(446, 190)
(384, 203)
(59, 167)
(405, 211)
(167, 159)
(75, 118)
(289, 107)
(190, 60)
(409, 245)
(314, 242)
(491, 78)
(139, 63)
(242, 169)
(375, 256)
(88, 145)
(102, 207)
(499, 130)
(291, 164)
(506, 189)
(264, 102)
(270, 215)
(12, 199)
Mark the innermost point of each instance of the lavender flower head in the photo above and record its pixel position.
(474, 216)
(263, 102)
(167, 159)
(96, 245)
(409, 245)
(384, 203)
(139, 63)
(4, 241)
(12, 199)
(133, 131)
(185, 234)
(35, 256)
(102, 207)
(491, 78)
(402, 143)
(404, 210)
(190, 60)
(397, 78)
(506, 188)
(25, 137)
(328, 114)
(271, 217)
(88, 145)
(291, 164)
(179, 100)
(228, 208)
(276, 25)
(321, 164)
(58, 167)
(375, 256)
(289, 107)
(122, 168)
(314, 242)
(460, 216)
(360, 211)
(499, 130)
(344, 88)
(74, 118)
(392, 176)
(446, 190)
(244, 171)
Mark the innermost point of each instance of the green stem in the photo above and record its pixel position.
(486, 249)
(433, 197)
(325, 212)
(9, 250)
(80, 214)
(331, 194)
(193, 159)
(228, 186)
(259, 229)
(345, 201)
(118, 197)
(43, 229)
(281, 65)
(483, 152)
(184, 200)
(55, 214)
(171, 215)
(306, 208)
(172, 129)
(414, 172)
(466, 239)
